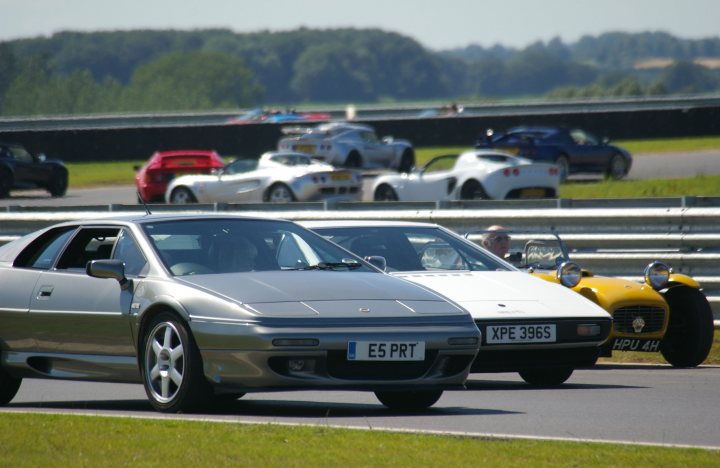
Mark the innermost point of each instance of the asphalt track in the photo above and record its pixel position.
(650, 166)
(611, 403)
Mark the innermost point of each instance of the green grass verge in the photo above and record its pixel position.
(63, 440)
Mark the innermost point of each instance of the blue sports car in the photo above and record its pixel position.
(572, 149)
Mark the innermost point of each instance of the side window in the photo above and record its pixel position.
(87, 244)
(41, 253)
(128, 251)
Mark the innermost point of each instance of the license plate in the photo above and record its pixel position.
(502, 334)
(532, 193)
(340, 176)
(636, 344)
(386, 351)
(310, 149)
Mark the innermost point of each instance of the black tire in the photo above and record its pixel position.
(690, 332)
(59, 184)
(407, 161)
(279, 193)
(411, 400)
(472, 190)
(6, 183)
(617, 167)
(9, 386)
(385, 193)
(182, 196)
(563, 163)
(171, 366)
(353, 160)
(550, 377)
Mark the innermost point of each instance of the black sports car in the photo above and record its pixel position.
(19, 169)
(572, 149)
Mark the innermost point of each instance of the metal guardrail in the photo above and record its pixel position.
(612, 238)
(167, 119)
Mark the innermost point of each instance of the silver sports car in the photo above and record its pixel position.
(201, 308)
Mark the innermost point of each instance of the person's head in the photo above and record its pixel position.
(496, 240)
(236, 254)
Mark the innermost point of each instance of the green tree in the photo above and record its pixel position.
(191, 81)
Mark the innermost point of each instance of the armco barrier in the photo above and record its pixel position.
(613, 237)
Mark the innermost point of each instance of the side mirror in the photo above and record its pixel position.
(114, 269)
(605, 141)
(41, 157)
(388, 139)
(377, 261)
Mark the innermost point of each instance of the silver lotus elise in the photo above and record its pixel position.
(201, 308)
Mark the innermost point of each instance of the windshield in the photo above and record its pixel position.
(207, 246)
(413, 248)
(526, 249)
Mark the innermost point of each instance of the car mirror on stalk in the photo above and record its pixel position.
(114, 269)
(377, 261)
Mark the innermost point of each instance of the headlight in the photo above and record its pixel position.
(657, 275)
(569, 274)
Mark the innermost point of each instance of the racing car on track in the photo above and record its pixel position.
(666, 313)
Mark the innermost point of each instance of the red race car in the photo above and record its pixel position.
(151, 179)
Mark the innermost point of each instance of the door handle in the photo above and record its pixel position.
(45, 292)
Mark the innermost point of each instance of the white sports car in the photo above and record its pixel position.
(475, 174)
(274, 177)
(349, 145)
(542, 330)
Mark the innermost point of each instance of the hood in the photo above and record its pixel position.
(324, 293)
(506, 294)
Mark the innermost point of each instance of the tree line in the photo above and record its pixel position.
(168, 70)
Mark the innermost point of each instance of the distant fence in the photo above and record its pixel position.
(614, 237)
(136, 137)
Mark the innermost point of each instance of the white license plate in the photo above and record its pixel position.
(501, 334)
(386, 351)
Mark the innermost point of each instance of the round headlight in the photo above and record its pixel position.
(569, 274)
(657, 275)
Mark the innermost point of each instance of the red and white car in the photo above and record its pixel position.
(152, 179)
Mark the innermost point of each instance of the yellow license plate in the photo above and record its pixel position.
(340, 176)
(309, 149)
(532, 193)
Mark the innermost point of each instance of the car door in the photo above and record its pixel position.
(435, 182)
(236, 183)
(374, 152)
(586, 152)
(73, 313)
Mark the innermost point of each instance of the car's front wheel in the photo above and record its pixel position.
(690, 332)
(353, 160)
(279, 193)
(182, 196)
(472, 190)
(411, 400)
(9, 386)
(385, 193)
(59, 184)
(617, 168)
(172, 367)
(550, 377)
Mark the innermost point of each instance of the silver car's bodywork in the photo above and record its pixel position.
(196, 307)
(542, 332)
(349, 145)
(274, 177)
(474, 174)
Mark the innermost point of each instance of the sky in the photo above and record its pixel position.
(437, 24)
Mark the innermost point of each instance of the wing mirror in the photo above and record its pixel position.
(377, 261)
(114, 269)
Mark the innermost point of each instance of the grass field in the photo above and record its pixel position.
(62, 440)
